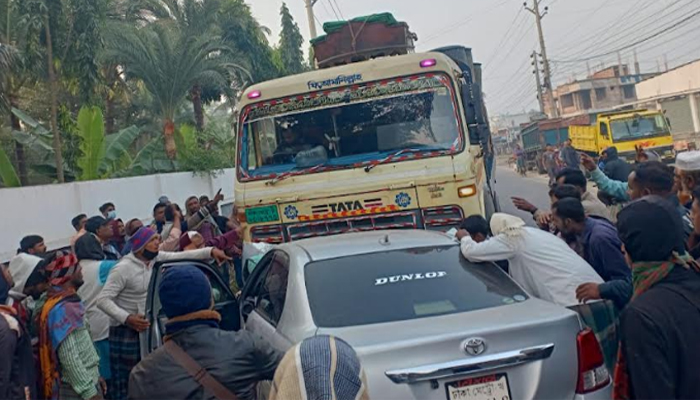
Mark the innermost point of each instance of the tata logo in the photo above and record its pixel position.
(475, 346)
(346, 206)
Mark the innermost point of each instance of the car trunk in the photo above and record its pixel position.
(411, 350)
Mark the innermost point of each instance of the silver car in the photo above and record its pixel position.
(426, 323)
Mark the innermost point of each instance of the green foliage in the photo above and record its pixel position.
(214, 151)
(7, 171)
(99, 156)
(92, 144)
(290, 43)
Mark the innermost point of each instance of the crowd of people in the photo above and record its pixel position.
(71, 319)
(552, 159)
(633, 247)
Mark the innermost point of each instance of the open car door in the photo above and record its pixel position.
(225, 303)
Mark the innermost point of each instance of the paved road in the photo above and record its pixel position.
(533, 188)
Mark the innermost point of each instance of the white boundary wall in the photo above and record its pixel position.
(47, 210)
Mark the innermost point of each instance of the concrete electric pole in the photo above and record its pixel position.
(536, 71)
(535, 10)
(310, 15)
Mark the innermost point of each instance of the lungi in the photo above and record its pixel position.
(124, 354)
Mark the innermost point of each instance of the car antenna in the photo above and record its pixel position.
(385, 240)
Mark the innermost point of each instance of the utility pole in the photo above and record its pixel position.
(535, 10)
(310, 15)
(636, 63)
(536, 71)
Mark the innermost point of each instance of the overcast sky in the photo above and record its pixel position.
(502, 35)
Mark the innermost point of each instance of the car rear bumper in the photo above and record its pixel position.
(600, 394)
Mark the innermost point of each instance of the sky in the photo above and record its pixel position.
(502, 35)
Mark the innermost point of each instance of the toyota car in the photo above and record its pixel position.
(425, 322)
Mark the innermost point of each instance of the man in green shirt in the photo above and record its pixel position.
(69, 361)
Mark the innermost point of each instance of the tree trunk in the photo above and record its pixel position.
(111, 76)
(109, 114)
(54, 102)
(196, 94)
(20, 157)
(169, 138)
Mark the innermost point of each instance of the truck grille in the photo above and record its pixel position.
(434, 219)
(442, 218)
(398, 220)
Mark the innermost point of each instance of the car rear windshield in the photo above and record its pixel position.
(402, 285)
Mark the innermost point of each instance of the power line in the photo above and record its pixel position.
(504, 38)
(640, 41)
(337, 17)
(459, 23)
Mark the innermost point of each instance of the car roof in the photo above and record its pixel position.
(349, 244)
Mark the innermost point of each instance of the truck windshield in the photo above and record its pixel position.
(638, 127)
(350, 126)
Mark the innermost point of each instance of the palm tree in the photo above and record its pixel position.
(169, 62)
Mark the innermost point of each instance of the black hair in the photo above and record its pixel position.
(105, 206)
(655, 176)
(159, 205)
(204, 199)
(95, 223)
(651, 229)
(569, 208)
(170, 212)
(573, 176)
(29, 242)
(476, 224)
(76, 220)
(561, 192)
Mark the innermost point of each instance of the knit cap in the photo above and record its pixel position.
(184, 290)
(138, 241)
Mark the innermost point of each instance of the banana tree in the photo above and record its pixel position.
(102, 156)
(7, 171)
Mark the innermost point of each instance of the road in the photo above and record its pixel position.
(533, 188)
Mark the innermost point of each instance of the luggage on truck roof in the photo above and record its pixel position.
(362, 38)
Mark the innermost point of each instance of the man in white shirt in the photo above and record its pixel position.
(540, 262)
(123, 298)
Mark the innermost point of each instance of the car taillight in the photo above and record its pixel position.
(592, 372)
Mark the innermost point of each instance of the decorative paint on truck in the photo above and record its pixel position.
(390, 150)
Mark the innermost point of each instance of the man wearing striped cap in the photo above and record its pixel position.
(69, 362)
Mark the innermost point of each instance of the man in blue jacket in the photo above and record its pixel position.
(596, 241)
(649, 178)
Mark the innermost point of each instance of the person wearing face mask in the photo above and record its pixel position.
(123, 299)
(109, 211)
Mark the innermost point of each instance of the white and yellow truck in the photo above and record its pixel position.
(378, 138)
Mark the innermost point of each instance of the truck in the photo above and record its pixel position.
(378, 137)
(625, 130)
(547, 132)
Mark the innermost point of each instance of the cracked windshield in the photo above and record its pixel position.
(359, 125)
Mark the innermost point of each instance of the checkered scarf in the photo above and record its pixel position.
(61, 269)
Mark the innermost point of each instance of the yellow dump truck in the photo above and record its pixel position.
(390, 142)
(625, 130)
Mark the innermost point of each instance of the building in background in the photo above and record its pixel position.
(600, 91)
(677, 93)
(506, 129)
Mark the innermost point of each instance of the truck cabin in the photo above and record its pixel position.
(623, 128)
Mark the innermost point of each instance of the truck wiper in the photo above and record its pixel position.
(391, 157)
(292, 173)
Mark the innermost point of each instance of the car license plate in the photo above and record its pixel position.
(490, 387)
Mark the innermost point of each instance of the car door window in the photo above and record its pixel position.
(273, 291)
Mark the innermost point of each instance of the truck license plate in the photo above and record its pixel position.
(260, 215)
(490, 387)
